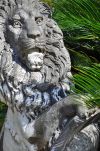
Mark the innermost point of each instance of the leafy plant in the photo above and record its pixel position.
(80, 22)
(83, 16)
(87, 82)
(49, 2)
(3, 110)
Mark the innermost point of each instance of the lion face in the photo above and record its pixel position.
(36, 43)
(26, 34)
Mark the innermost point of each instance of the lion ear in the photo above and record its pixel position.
(46, 10)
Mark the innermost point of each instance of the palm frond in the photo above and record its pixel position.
(87, 82)
(80, 22)
(80, 58)
(78, 14)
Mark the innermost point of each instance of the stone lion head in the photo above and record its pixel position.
(32, 41)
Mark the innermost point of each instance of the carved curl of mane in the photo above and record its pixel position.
(57, 61)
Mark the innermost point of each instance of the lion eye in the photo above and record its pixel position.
(17, 24)
(38, 20)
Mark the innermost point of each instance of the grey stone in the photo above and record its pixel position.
(77, 135)
(86, 140)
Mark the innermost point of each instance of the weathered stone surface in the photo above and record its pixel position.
(77, 135)
(86, 140)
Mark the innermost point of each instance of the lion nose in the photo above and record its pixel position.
(34, 34)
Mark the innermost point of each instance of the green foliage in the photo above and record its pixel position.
(80, 22)
(49, 2)
(79, 59)
(87, 82)
(3, 110)
(83, 16)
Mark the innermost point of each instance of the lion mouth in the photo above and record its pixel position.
(32, 54)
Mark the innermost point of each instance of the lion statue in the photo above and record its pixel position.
(35, 79)
(34, 71)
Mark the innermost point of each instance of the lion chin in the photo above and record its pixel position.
(34, 61)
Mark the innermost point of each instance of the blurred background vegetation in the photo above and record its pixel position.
(80, 23)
